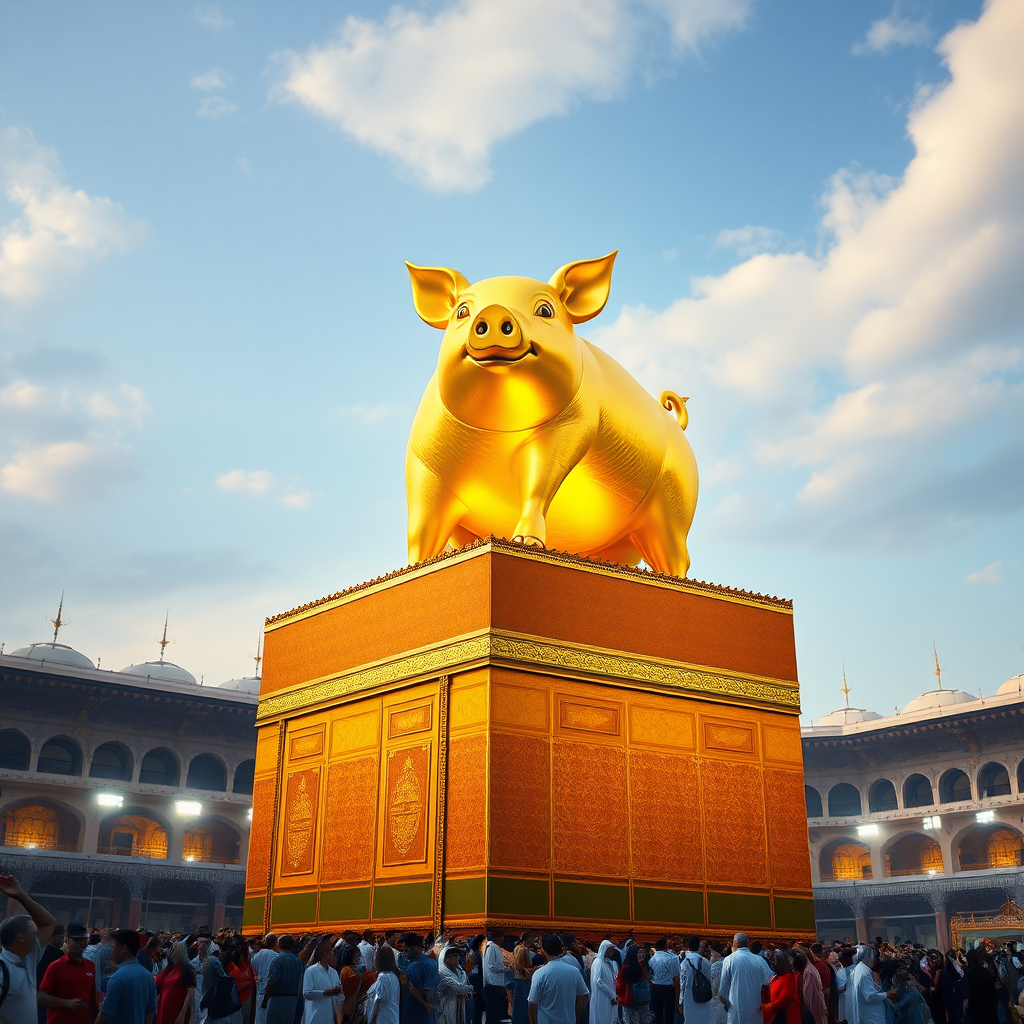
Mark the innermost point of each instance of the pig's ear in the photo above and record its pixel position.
(583, 287)
(435, 290)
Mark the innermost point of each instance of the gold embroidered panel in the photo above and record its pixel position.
(586, 717)
(300, 815)
(407, 791)
(260, 834)
(589, 809)
(665, 817)
(733, 823)
(351, 809)
(787, 829)
(520, 798)
(402, 721)
(466, 839)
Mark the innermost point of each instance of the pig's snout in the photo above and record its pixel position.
(495, 330)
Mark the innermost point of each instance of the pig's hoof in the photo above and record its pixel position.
(527, 541)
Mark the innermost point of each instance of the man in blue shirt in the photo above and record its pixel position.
(418, 999)
(131, 991)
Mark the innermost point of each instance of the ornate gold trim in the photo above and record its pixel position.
(543, 655)
(444, 696)
(551, 557)
(272, 860)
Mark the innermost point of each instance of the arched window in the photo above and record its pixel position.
(954, 787)
(882, 796)
(1004, 849)
(133, 835)
(993, 780)
(997, 846)
(39, 824)
(159, 768)
(813, 800)
(243, 777)
(1020, 777)
(917, 792)
(913, 855)
(15, 751)
(111, 761)
(844, 860)
(843, 801)
(206, 772)
(212, 842)
(60, 756)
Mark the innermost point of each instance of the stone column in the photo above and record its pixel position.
(860, 918)
(937, 898)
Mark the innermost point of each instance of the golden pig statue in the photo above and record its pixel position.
(527, 431)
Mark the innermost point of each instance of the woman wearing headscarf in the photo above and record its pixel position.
(906, 1004)
(810, 986)
(386, 991)
(175, 986)
(633, 988)
(603, 1004)
(982, 1001)
(453, 990)
(783, 1006)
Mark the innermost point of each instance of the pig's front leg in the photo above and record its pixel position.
(541, 465)
(434, 511)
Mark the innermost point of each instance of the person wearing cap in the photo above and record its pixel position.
(68, 988)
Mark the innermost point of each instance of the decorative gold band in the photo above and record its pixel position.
(516, 650)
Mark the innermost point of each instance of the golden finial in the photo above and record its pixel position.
(164, 641)
(938, 671)
(258, 658)
(844, 689)
(58, 622)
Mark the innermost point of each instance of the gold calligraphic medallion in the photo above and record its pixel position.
(300, 825)
(406, 808)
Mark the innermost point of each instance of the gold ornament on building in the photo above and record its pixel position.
(300, 825)
(528, 431)
(406, 808)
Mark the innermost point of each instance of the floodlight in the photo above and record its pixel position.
(867, 830)
(110, 799)
(190, 808)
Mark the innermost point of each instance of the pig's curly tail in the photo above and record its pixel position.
(675, 405)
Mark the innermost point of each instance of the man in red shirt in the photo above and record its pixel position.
(68, 988)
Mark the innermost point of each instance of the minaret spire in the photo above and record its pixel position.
(938, 671)
(845, 689)
(58, 622)
(164, 641)
(258, 657)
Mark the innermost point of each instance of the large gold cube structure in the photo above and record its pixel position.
(514, 738)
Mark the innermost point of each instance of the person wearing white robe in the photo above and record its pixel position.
(739, 988)
(865, 999)
(603, 1008)
(321, 989)
(260, 962)
(693, 1013)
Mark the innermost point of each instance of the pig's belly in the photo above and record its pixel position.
(585, 515)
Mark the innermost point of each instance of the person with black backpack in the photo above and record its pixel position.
(220, 994)
(695, 984)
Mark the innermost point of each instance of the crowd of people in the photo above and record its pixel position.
(49, 975)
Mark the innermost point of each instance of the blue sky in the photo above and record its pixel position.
(209, 358)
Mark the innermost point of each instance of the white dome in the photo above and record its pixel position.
(50, 651)
(848, 716)
(935, 699)
(1014, 685)
(161, 670)
(250, 684)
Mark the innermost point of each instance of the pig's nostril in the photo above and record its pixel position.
(506, 327)
(481, 327)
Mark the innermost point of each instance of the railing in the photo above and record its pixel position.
(212, 860)
(103, 771)
(18, 844)
(904, 872)
(830, 876)
(14, 762)
(881, 806)
(987, 865)
(997, 789)
(55, 766)
(154, 852)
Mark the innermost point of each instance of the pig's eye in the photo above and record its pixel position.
(462, 312)
(545, 310)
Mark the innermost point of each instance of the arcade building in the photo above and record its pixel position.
(916, 817)
(125, 796)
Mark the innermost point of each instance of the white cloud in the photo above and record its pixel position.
(750, 240)
(212, 18)
(21, 395)
(67, 471)
(300, 500)
(261, 483)
(437, 92)
(897, 28)
(216, 106)
(367, 414)
(211, 81)
(255, 482)
(131, 405)
(990, 576)
(875, 387)
(59, 229)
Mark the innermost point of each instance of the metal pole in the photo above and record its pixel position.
(88, 913)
